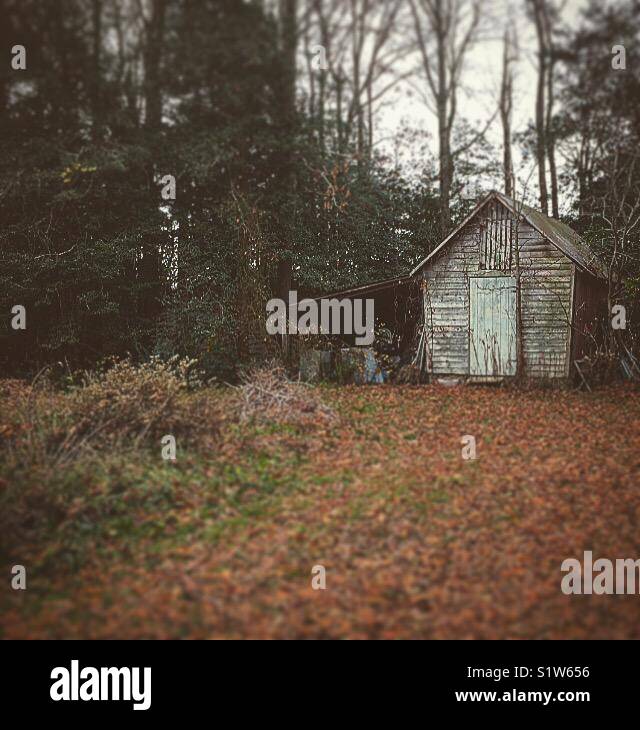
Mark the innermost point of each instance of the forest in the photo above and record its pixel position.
(264, 116)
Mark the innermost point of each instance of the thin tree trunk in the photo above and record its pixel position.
(322, 76)
(357, 39)
(96, 80)
(515, 243)
(370, 120)
(287, 106)
(150, 266)
(541, 143)
(445, 177)
(7, 33)
(153, 52)
(550, 141)
(444, 27)
(506, 105)
(444, 129)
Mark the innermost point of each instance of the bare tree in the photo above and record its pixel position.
(324, 17)
(445, 30)
(363, 51)
(550, 134)
(364, 31)
(545, 14)
(537, 7)
(506, 108)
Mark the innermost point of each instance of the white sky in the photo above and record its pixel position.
(481, 83)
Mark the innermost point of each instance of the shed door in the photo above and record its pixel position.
(492, 325)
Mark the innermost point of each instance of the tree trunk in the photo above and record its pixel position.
(96, 80)
(322, 81)
(150, 266)
(369, 120)
(7, 34)
(444, 129)
(152, 56)
(541, 144)
(339, 120)
(445, 23)
(506, 105)
(446, 174)
(520, 364)
(550, 141)
(286, 91)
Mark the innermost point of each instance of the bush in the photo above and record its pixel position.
(131, 402)
(125, 405)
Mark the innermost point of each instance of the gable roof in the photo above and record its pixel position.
(564, 238)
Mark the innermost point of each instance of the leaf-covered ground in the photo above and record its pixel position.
(416, 541)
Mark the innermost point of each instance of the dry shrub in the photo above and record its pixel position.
(125, 406)
(12, 389)
(29, 416)
(267, 394)
(14, 394)
(131, 402)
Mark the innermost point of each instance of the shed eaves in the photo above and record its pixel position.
(563, 237)
(560, 234)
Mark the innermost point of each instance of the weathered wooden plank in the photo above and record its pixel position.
(546, 297)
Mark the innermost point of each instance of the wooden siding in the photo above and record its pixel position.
(447, 296)
(496, 226)
(546, 293)
(547, 299)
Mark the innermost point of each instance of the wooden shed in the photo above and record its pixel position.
(479, 324)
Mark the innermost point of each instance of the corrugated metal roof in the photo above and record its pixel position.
(560, 234)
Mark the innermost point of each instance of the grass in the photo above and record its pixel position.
(416, 541)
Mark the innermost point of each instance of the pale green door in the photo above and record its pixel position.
(492, 325)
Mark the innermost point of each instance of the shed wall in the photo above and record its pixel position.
(547, 282)
(447, 299)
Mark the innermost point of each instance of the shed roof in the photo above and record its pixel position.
(559, 234)
(363, 289)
